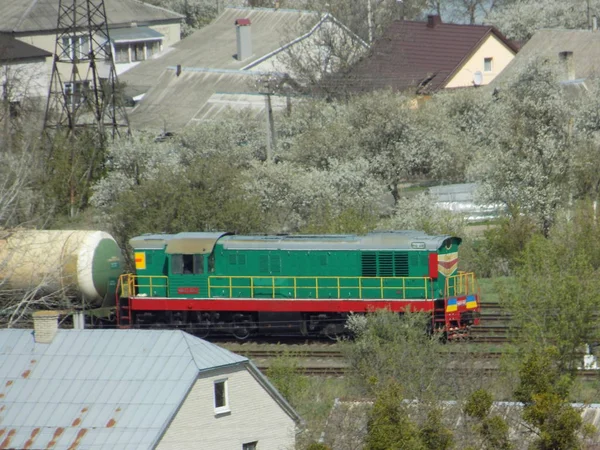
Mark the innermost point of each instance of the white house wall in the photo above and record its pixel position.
(492, 48)
(254, 416)
(47, 41)
(24, 80)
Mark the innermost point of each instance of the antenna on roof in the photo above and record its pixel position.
(477, 78)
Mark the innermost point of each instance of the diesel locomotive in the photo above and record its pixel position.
(305, 285)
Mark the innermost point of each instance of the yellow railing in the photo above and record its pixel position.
(229, 284)
(131, 286)
(464, 283)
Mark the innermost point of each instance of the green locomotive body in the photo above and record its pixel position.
(218, 281)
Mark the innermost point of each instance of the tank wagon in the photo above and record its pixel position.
(79, 263)
(294, 284)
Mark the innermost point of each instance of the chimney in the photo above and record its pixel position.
(433, 20)
(45, 326)
(244, 39)
(566, 59)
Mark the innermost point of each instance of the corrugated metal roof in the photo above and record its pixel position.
(177, 101)
(390, 240)
(22, 16)
(133, 34)
(98, 388)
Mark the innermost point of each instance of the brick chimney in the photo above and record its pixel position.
(244, 39)
(45, 326)
(433, 20)
(568, 64)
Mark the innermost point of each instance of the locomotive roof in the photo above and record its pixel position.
(204, 242)
(387, 240)
(188, 242)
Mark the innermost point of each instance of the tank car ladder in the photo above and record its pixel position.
(123, 294)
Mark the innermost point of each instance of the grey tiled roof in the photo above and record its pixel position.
(104, 388)
(547, 44)
(214, 46)
(22, 16)
(12, 49)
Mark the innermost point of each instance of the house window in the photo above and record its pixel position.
(121, 53)
(138, 53)
(76, 93)
(152, 48)
(75, 47)
(487, 64)
(187, 264)
(221, 398)
(127, 52)
(250, 445)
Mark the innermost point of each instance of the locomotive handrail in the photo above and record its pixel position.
(131, 287)
(252, 284)
(464, 283)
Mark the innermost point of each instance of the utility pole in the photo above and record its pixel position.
(370, 21)
(79, 100)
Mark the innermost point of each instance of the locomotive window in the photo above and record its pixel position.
(176, 264)
(198, 264)
(187, 264)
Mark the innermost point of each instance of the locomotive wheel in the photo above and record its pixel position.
(241, 332)
(201, 329)
(331, 332)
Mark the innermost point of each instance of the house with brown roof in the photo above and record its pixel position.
(425, 57)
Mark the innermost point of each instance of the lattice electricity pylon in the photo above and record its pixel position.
(89, 102)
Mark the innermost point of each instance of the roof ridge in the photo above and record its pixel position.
(191, 340)
(159, 8)
(25, 14)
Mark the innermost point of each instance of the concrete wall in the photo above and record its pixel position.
(254, 416)
(492, 48)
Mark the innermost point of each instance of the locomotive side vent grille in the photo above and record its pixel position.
(232, 259)
(241, 260)
(148, 258)
(386, 265)
(323, 260)
(275, 264)
(401, 264)
(369, 264)
(264, 264)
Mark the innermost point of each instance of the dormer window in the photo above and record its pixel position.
(135, 44)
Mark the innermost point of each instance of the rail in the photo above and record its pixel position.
(320, 287)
